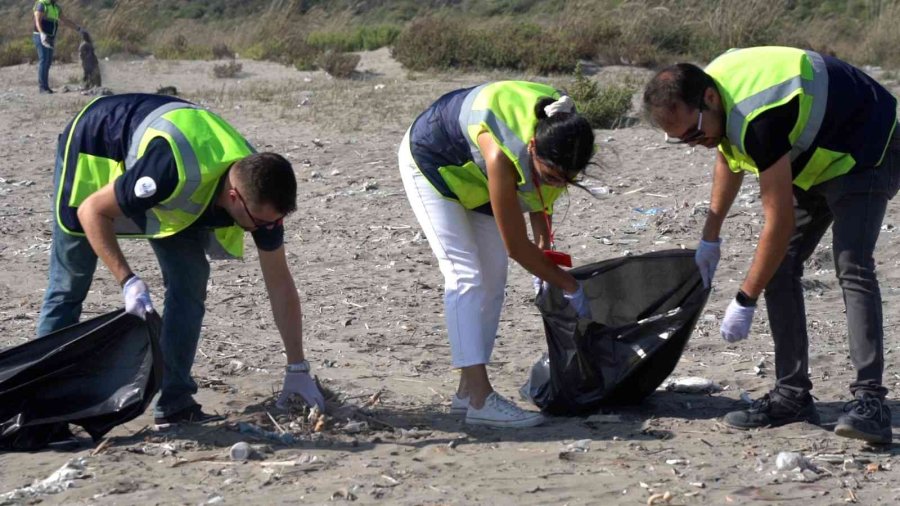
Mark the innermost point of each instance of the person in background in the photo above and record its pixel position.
(47, 17)
(821, 137)
(472, 165)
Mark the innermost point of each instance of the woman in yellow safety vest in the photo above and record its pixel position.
(472, 164)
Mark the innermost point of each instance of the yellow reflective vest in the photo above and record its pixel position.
(110, 135)
(845, 118)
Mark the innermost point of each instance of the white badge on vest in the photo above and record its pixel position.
(145, 187)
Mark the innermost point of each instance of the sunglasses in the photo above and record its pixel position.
(693, 135)
(256, 222)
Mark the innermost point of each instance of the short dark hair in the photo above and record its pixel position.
(268, 178)
(682, 82)
(565, 140)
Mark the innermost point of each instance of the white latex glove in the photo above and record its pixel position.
(137, 297)
(736, 324)
(45, 41)
(707, 259)
(579, 302)
(536, 282)
(302, 384)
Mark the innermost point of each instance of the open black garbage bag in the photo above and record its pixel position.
(97, 374)
(643, 310)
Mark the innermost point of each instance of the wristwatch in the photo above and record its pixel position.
(302, 366)
(745, 300)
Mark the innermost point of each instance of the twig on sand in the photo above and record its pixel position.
(100, 447)
(277, 425)
(372, 419)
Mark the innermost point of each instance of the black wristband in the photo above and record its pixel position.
(745, 300)
(129, 276)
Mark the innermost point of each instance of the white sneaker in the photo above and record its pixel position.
(458, 405)
(499, 411)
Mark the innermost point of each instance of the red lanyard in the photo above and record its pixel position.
(557, 257)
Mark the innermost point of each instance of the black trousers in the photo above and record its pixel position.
(855, 205)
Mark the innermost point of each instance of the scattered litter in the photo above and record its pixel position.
(356, 427)
(343, 494)
(698, 484)
(414, 433)
(787, 461)
(760, 367)
(379, 86)
(304, 462)
(664, 497)
(829, 458)
(652, 211)
(370, 185)
(241, 451)
(61, 479)
(851, 464)
(678, 462)
(248, 428)
(216, 499)
(582, 445)
(692, 385)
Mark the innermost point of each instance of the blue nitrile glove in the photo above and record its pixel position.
(303, 385)
(707, 259)
(736, 324)
(45, 41)
(579, 302)
(137, 297)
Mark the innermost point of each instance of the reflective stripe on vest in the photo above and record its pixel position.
(199, 172)
(192, 175)
(513, 144)
(817, 87)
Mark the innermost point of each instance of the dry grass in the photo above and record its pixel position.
(535, 35)
(226, 70)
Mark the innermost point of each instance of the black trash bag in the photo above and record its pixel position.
(643, 311)
(97, 374)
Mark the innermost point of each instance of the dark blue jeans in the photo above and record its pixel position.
(185, 269)
(854, 206)
(45, 58)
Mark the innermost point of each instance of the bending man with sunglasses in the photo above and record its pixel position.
(820, 136)
(163, 169)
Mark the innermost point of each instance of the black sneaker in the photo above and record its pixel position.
(774, 410)
(191, 415)
(46, 91)
(868, 418)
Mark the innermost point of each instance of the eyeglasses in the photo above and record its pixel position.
(256, 222)
(554, 177)
(695, 134)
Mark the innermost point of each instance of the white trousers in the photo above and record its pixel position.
(472, 258)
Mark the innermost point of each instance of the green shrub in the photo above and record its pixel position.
(602, 106)
(221, 51)
(340, 65)
(443, 43)
(17, 51)
(430, 43)
(289, 50)
(230, 69)
(358, 39)
(178, 48)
